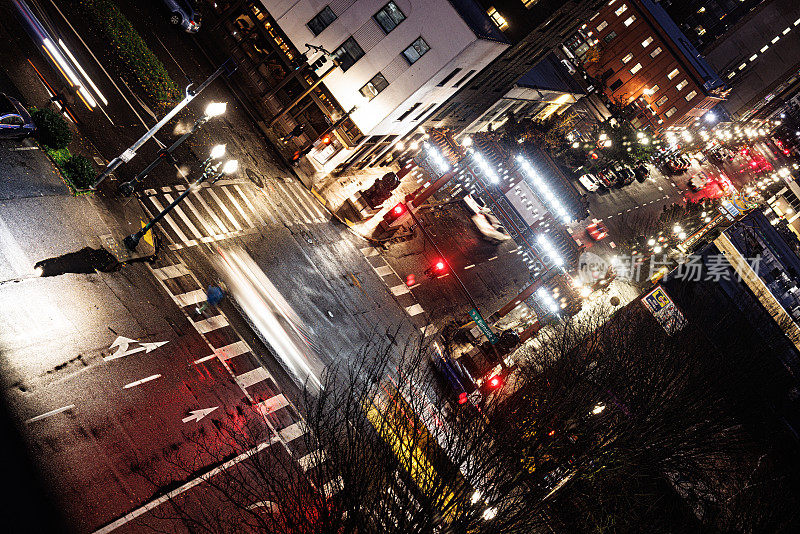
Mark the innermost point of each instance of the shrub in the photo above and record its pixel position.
(80, 171)
(52, 130)
(59, 156)
(138, 65)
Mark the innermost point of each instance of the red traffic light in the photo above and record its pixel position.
(439, 265)
(326, 140)
(411, 280)
(396, 211)
(296, 155)
(462, 398)
(495, 382)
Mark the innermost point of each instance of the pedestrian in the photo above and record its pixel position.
(214, 296)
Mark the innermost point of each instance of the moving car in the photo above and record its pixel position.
(15, 121)
(759, 164)
(590, 182)
(483, 219)
(697, 182)
(597, 231)
(183, 13)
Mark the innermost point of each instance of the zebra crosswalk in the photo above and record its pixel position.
(231, 208)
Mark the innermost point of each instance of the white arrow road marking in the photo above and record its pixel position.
(122, 343)
(196, 415)
(142, 381)
(48, 414)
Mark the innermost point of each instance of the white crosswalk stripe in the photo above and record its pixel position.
(168, 218)
(297, 210)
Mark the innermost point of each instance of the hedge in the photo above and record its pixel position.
(139, 66)
(80, 171)
(51, 129)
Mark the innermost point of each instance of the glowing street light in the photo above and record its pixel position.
(550, 250)
(544, 191)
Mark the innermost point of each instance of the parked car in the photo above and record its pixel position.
(597, 231)
(642, 172)
(589, 181)
(608, 177)
(183, 13)
(625, 173)
(15, 121)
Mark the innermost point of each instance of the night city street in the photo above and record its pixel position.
(408, 266)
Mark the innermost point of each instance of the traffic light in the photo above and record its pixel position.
(495, 382)
(395, 213)
(319, 63)
(438, 268)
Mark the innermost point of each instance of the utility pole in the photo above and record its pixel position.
(130, 153)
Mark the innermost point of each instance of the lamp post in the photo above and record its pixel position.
(130, 153)
(214, 109)
(211, 172)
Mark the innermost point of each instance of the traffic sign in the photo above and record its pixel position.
(478, 318)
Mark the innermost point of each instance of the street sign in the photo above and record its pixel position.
(726, 213)
(732, 209)
(476, 316)
(664, 310)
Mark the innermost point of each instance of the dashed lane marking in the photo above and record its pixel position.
(383, 270)
(400, 289)
(51, 412)
(140, 382)
(416, 309)
(311, 459)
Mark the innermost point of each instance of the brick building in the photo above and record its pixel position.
(640, 57)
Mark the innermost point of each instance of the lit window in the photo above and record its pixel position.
(416, 50)
(796, 23)
(670, 112)
(389, 17)
(660, 102)
(753, 57)
(672, 74)
(497, 18)
(636, 68)
(602, 26)
(627, 58)
(377, 84)
(654, 89)
(702, 10)
(647, 42)
(700, 30)
(610, 36)
(529, 3)
(630, 20)
(681, 85)
(691, 95)
(764, 48)
(742, 66)
(776, 39)
(621, 9)
(655, 52)
(731, 75)
(787, 30)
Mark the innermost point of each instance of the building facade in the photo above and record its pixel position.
(759, 59)
(639, 56)
(704, 21)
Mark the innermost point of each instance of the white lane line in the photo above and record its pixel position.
(428, 330)
(469, 267)
(171, 271)
(238, 207)
(127, 518)
(311, 459)
(272, 404)
(209, 230)
(166, 189)
(140, 382)
(225, 209)
(230, 351)
(333, 487)
(298, 197)
(383, 270)
(205, 359)
(253, 208)
(185, 218)
(51, 412)
(222, 228)
(369, 251)
(312, 201)
(492, 258)
(273, 207)
(259, 374)
(416, 309)
(191, 298)
(150, 192)
(212, 323)
(400, 289)
(297, 209)
(293, 431)
(175, 228)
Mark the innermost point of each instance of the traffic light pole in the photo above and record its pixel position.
(453, 272)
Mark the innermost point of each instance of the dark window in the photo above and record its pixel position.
(616, 85)
(464, 78)
(416, 50)
(321, 21)
(389, 17)
(348, 53)
(409, 111)
(610, 36)
(377, 84)
(607, 74)
(448, 77)
(425, 111)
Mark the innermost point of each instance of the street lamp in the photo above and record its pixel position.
(211, 172)
(213, 109)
